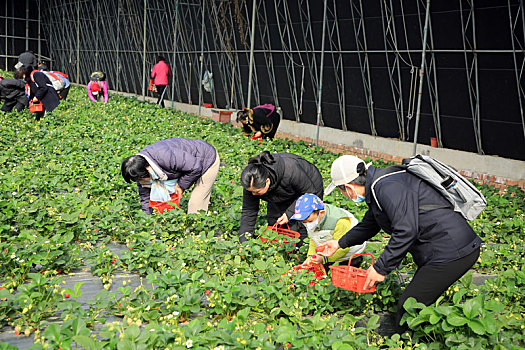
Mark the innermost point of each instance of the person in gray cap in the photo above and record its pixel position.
(26, 59)
(419, 220)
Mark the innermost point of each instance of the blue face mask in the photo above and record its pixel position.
(359, 199)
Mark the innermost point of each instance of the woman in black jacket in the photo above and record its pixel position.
(41, 89)
(259, 122)
(278, 179)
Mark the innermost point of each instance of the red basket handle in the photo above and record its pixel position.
(350, 260)
(275, 226)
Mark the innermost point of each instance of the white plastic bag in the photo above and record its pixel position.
(159, 192)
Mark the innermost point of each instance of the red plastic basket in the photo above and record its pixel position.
(162, 207)
(282, 231)
(351, 278)
(318, 270)
(35, 107)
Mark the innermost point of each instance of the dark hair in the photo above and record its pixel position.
(256, 173)
(160, 58)
(243, 114)
(361, 179)
(18, 74)
(134, 168)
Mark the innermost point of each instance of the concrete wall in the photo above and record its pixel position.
(493, 170)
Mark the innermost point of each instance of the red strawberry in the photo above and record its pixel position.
(67, 295)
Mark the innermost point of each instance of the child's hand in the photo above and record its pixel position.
(307, 262)
(316, 259)
(283, 220)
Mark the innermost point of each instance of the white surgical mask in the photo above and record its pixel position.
(311, 226)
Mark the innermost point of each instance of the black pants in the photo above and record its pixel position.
(9, 104)
(39, 115)
(276, 210)
(430, 281)
(161, 90)
(64, 92)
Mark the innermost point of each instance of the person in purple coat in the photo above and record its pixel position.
(190, 162)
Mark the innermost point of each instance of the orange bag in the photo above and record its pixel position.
(95, 87)
(35, 106)
(151, 86)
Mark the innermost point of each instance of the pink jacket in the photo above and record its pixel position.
(104, 90)
(160, 73)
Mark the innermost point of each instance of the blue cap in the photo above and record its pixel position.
(305, 205)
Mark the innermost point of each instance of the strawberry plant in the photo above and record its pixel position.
(62, 201)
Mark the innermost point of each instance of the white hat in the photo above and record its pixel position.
(344, 170)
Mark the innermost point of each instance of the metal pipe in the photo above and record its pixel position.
(96, 38)
(17, 37)
(382, 52)
(174, 51)
(517, 82)
(144, 56)
(252, 44)
(18, 18)
(321, 75)
(6, 38)
(117, 73)
(478, 112)
(27, 24)
(421, 75)
(78, 42)
(39, 55)
(201, 58)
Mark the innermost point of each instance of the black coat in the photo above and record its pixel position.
(430, 236)
(43, 90)
(291, 176)
(264, 121)
(13, 90)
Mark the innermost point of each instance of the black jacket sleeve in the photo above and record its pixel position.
(360, 233)
(41, 82)
(400, 204)
(250, 210)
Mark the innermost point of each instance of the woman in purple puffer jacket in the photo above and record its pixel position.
(190, 162)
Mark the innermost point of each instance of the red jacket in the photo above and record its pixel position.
(160, 73)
